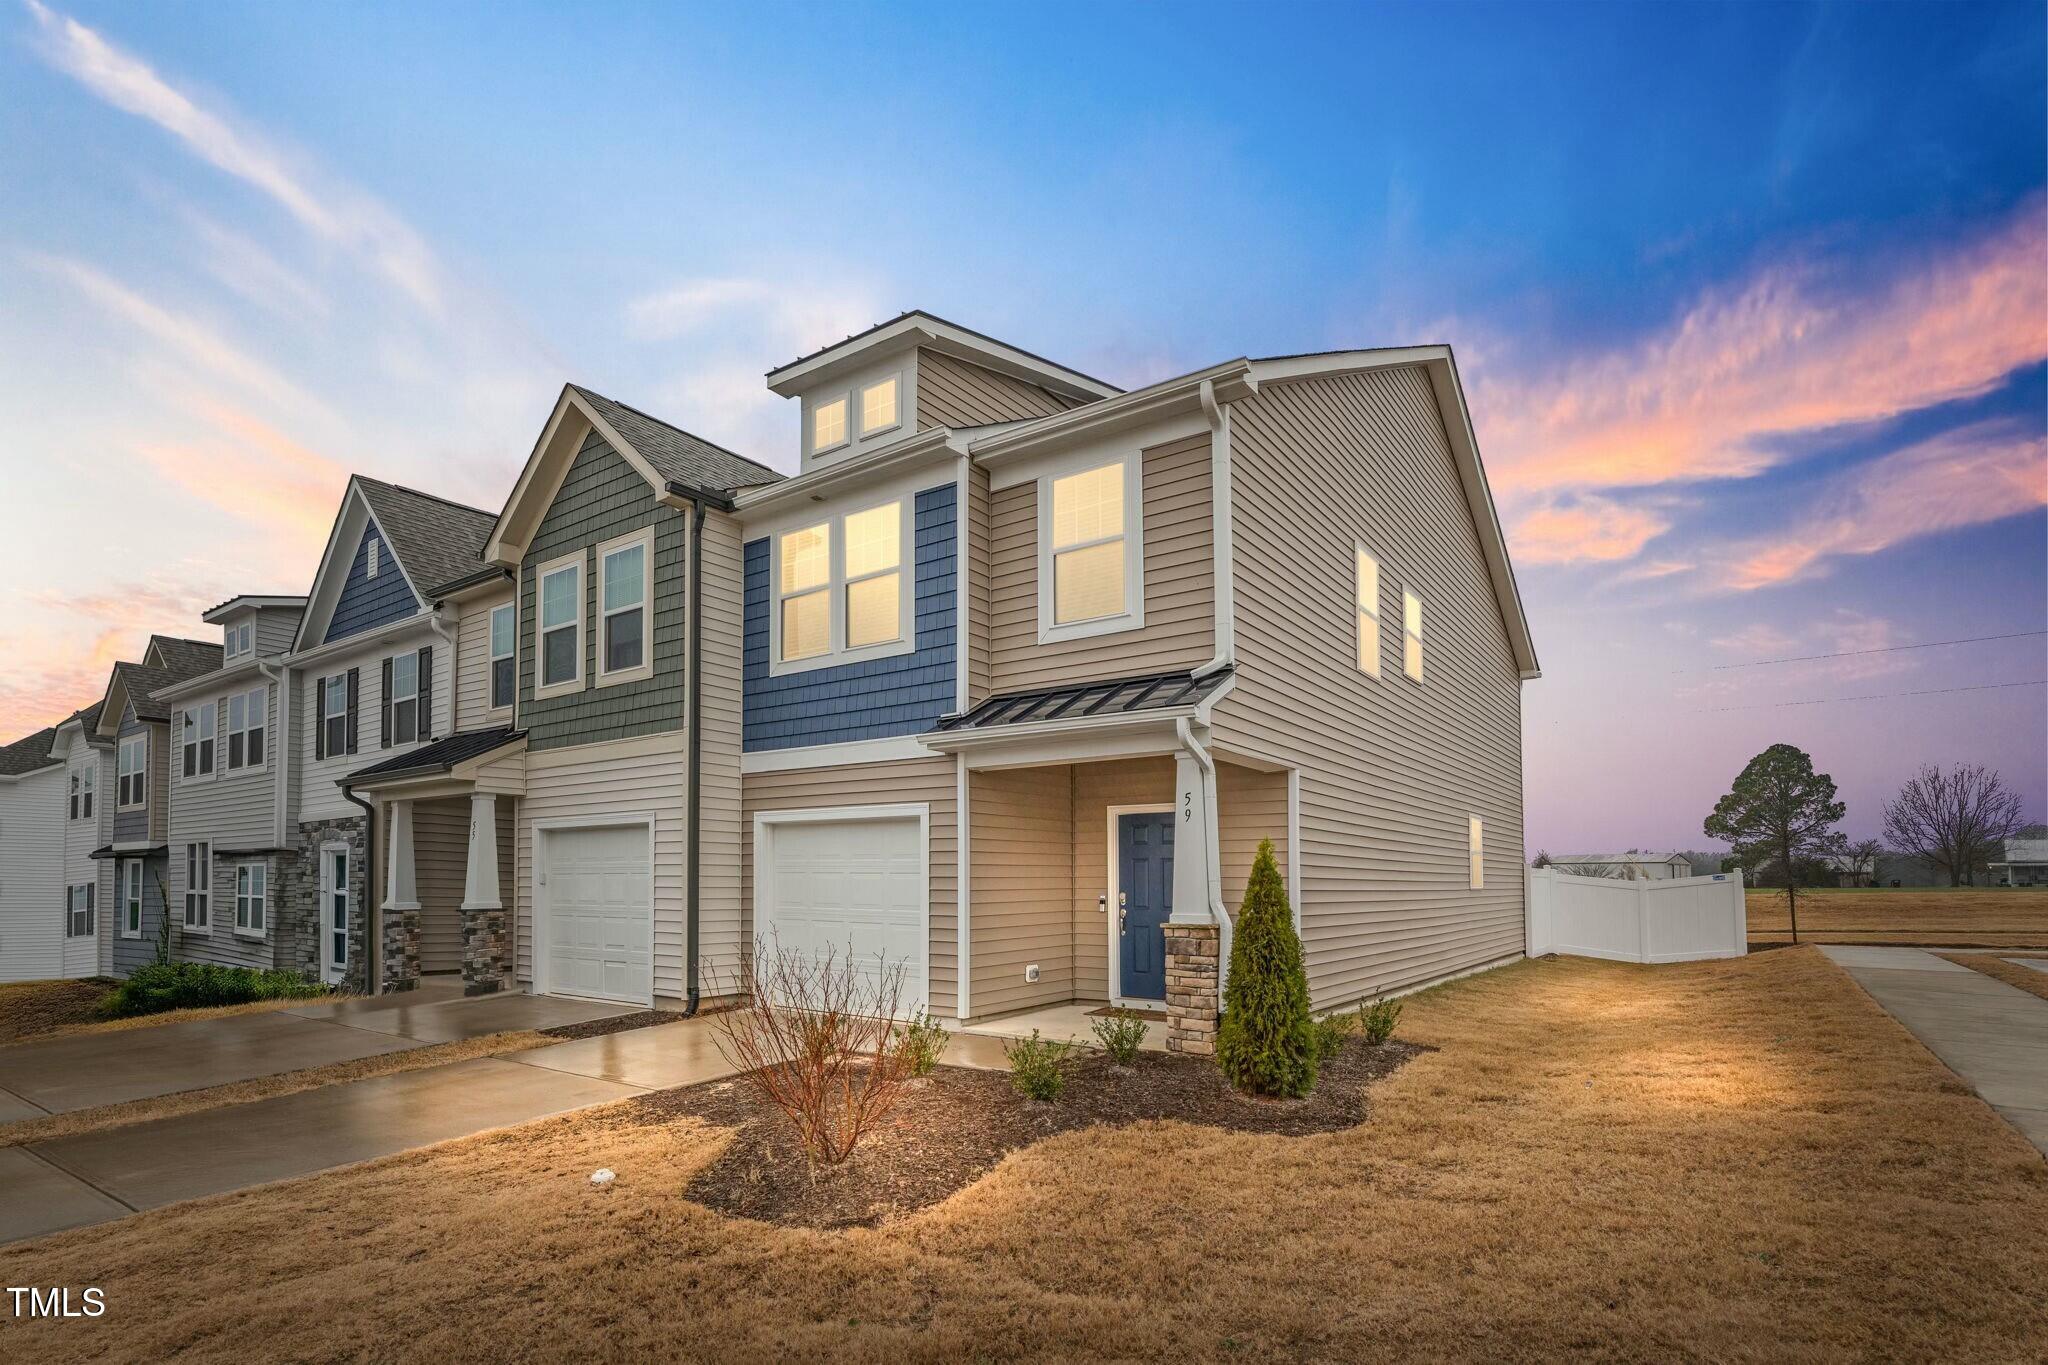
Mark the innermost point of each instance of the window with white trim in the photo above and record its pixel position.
(199, 888)
(1090, 551)
(504, 643)
(248, 721)
(843, 589)
(131, 899)
(195, 727)
(625, 586)
(559, 588)
(881, 405)
(81, 790)
(334, 715)
(78, 921)
(241, 639)
(1368, 604)
(828, 425)
(251, 898)
(1475, 852)
(131, 773)
(1411, 634)
(403, 705)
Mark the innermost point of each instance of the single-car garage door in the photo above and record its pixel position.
(853, 885)
(598, 931)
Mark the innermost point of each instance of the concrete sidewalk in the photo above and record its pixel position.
(1993, 1035)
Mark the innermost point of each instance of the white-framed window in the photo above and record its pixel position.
(625, 590)
(828, 425)
(504, 651)
(558, 587)
(131, 773)
(252, 895)
(370, 566)
(843, 589)
(403, 705)
(82, 779)
(1368, 604)
(248, 723)
(881, 405)
(131, 899)
(241, 639)
(195, 740)
(78, 921)
(1411, 633)
(1475, 852)
(1091, 550)
(199, 888)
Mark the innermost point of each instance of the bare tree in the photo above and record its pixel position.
(1863, 856)
(1955, 820)
(814, 1038)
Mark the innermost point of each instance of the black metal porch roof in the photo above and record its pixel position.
(1085, 700)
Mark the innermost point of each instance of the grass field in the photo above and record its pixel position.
(1964, 917)
(1735, 1160)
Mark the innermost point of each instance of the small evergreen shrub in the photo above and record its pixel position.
(161, 986)
(1038, 1066)
(922, 1044)
(1120, 1034)
(1266, 1044)
(1376, 1020)
(1331, 1030)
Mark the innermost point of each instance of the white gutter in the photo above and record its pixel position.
(1224, 929)
(283, 679)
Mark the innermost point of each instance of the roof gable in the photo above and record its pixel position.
(421, 542)
(375, 592)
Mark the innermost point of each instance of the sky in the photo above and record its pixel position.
(1751, 304)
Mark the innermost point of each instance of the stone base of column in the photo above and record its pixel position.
(401, 926)
(484, 945)
(1192, 971)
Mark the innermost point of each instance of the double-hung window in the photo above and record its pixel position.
(1368, 603)
(1090, 551)
(131, 779)
(248, 718)
(403, 705)
(334, 715)
(880, 406)
(196, 725)
(803, 607)
(874, 576)
(251, 898)
(199, 887)
(560, 589)
(843, 589)
(1475, 852)
(504, 643)
(81, 790)
(1411, 634)
(240, 639)
(828, 425)
(131, 899)
(625, 584)
(78, 922)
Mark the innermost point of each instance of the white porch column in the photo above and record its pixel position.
(401, 918)
(1194, 825)
(485, 943)
(480, 891)
(1194, 941)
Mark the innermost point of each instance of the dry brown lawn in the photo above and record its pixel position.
(1738, 1160)
(53, 1009)
(2011, 973)
(2011, 917)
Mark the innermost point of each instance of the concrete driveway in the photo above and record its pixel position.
(71, 1182)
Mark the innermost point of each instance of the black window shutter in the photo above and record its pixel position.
(384, 732)
(319, 718)
(352, 709)
(426, 692)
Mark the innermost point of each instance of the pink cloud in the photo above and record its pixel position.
(1562, 530)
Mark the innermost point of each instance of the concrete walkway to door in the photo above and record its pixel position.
(1993, 1035)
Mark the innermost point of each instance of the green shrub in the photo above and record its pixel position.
(922, 1044)
(1038, 1066)
(1266, 1044)
(1331, 1030)
(1376, 1020)
(164, 986)
(1120, 1033)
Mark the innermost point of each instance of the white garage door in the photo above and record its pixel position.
(598, 930)
(855, 886)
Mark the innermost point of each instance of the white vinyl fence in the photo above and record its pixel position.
(1680, 920)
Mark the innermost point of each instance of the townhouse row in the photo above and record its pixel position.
(1000, 691)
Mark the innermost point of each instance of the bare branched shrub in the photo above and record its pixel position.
(813, 1036)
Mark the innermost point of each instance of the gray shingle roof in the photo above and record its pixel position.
(676, 454)
(436, 540)
(27, 755)
(187, 658)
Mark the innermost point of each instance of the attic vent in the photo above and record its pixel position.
(373, 559)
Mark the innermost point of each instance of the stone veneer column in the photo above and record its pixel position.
(484, 940)
(401, 918)
(1192, 1006)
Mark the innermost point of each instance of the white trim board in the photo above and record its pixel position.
(841, 755)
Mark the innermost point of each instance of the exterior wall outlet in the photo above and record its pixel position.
(1031, 972)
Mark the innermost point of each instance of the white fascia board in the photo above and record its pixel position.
(531, 495)
(921, 329)
(420, 623)
(353, 512)
(234, 606)
(849, 754)
(1155, 724)
(1230, 381)
(911, 456)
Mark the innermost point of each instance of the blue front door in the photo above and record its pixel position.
(1145, 886)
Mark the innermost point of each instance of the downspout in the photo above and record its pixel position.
(1221, 555)
(283, 678)
(692, 873)
(373, 941)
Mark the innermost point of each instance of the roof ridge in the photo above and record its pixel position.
(683, 431)
(419, 493)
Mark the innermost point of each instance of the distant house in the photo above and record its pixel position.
(2025, 864)
(1639, 865)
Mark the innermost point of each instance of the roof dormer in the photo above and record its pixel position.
(914, 373)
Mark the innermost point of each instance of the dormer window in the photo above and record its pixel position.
(879, 406)
(828, 426)
(241, 639)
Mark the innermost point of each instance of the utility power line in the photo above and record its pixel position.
(1874, 696)
(1881, 649)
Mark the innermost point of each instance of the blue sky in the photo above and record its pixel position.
(1750, 300)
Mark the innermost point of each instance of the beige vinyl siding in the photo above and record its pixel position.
(721, 920)
(1022, 839)
(957, 393)
(627, 779)
(1097, 787)
(931, 781)
(1250, 805)
(473, 665)
(1390, 771)
(974, 581)
(440, 853)
(1180, 584)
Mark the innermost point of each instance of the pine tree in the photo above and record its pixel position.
(1266, 1043)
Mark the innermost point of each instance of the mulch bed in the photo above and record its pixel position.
(37, 1007)
(951, 1128)
(618, 1023)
